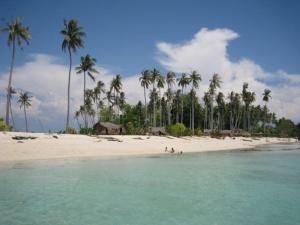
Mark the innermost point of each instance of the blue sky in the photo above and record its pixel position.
(122, 34)
(254, 41)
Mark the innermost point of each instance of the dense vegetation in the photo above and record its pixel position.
(170, 100)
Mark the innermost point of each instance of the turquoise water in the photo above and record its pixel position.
(220, 188)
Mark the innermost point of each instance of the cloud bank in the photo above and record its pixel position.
(45, 77)
(207, 52)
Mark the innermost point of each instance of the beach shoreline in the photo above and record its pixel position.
(47, 146)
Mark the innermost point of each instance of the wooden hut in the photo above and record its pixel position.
(108, 128)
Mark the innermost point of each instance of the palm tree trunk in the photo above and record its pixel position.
(145, 104)
(248, 115)
(182, 105)
(265, 118)
(154, 107)
(69, 84)
(193, 119)
(25, 118)
(11, 115)
(84, 100)
(9, 82)
(212, 115)
(160, 113)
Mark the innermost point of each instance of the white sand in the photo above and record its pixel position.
(78, 146)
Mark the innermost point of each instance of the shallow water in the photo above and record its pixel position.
(218, 188)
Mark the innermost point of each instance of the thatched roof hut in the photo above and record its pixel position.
(108, 128)
(158, 131)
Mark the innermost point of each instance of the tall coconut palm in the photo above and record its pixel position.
(12, 92)
(194, 78)
(160, 85)
(155, 74)
(145, 82)
(17, 34)
(98, 90)
(266, 98)
(244, 97)
(207, 101)
(72, 40)
(250, 98)
(170, 80)
(116, 86)
(183, 81)
(25, 101)
(87, 66)
(215, 83)
(221, 109)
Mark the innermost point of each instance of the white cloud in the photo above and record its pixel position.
(46, 79)
(207, 53)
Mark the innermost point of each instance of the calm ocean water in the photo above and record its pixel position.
(219, 188)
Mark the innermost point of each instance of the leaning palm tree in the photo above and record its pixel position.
(160, 85)
(266, 98)
(194, 78)
(215, 83)
(72, 40)
(145, 82)
(87, 66)
(183, 81)
(155, 74)
(17, 33)
(24, 101)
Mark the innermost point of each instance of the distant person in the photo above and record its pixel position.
(166, 149)
(172, 150)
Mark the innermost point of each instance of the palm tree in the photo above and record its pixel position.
(116, 86)
(207, 101)
(194, 78)
(250, 98)
(16, 33)
(170, 80)
(183, 82)
(266, 98)
(160, 85)
(24, 100)
(87, 65)
(145, 82)
(221, 109)
(215, 83)
(176, 103)
(72, 40)
(98, 90)
(155, 74)
(12, 92)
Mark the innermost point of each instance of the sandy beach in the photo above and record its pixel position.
(60, 146)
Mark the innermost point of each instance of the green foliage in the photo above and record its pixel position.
(71, 130)
(198, 132)
(286, 128)
(130, 128)
(177, 129)
(3, 126)
(87, 131)
(187, 132)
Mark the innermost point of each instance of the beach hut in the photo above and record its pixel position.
(158, 131)
(108, 128)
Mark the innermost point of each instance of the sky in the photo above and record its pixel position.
(243, 41)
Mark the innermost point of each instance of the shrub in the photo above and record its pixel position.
(86, 131)
(130, 128)
(187, 132)
(198, 132)
(177, 129)
(71, 130)
(3, 126)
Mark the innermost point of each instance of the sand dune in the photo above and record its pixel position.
(45, 146)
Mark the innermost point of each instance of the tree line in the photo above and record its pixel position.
(168, 99)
